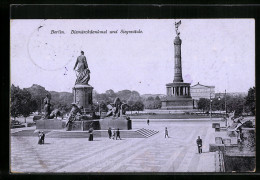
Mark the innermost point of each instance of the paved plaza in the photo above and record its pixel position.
(154, 154)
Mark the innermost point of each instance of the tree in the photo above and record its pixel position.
(139, 106)
(218, 104)
(124, 95)
(28, 104)
(16, 98)
(235, 103)
(157, 102)
(149, 103)
(21, 102)
(38, 93)
(203, 104)
(130, 104)
(250, 100)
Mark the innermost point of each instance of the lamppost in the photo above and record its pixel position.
(99, 109)
(225, 108)
(210, 107)
(219, 101)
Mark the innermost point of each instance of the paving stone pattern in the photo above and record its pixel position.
(153, 154)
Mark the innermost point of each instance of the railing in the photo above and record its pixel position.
(221, 161)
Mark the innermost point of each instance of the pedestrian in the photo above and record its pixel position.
(114, 134)
(118, 134)
(90, 134)
(166, 132)
(148, 122)
(42, 137)
(109, 132)
(199, 143)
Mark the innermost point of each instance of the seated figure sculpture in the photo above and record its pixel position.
(55, 113)
(116, 109)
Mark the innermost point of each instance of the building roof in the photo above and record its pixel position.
(202, 85)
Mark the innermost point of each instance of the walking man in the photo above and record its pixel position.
(90, 134)
(114, 134)
(199, 143)
(42, 137)
(109, 132)
(118, 134)
(166, 132)
(148, 122)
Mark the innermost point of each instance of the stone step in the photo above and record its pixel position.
(27, 133)
(147, 132)
(140, 133)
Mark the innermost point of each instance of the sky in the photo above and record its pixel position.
(215, 52)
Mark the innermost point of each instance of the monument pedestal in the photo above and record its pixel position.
(178, 97)
(115, 122)
(55, 124)
(83, 96)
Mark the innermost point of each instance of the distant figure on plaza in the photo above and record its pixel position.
(41, 136)
(47, 105)
(166, 132)
(199, 144)
(148, 122)
(82, 71)
(109, 133)
(118, 134)
(90, 131)
(72, 116)
(114, 134)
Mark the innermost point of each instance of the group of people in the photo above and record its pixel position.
(116, 134)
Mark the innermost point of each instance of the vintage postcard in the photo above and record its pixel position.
(132, 95)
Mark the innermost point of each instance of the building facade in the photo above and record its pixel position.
(201, 91)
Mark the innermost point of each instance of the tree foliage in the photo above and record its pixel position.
(22, 102)
(237, 103)
(250, 100)
(152, 103)
(204, 104)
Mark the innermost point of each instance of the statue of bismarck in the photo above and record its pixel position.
(82, 71)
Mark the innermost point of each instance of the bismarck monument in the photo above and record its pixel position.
(82, 116)
(82, 91)
(178, 93)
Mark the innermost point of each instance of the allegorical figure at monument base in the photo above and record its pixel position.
(47, 105)
(82, 71)
(73, 115)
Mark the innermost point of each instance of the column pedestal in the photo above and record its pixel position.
(83, 96)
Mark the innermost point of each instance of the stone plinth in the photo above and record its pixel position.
(55, 124)
(84, 125)
(83, 96)
(50, 124)
(116, 122)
